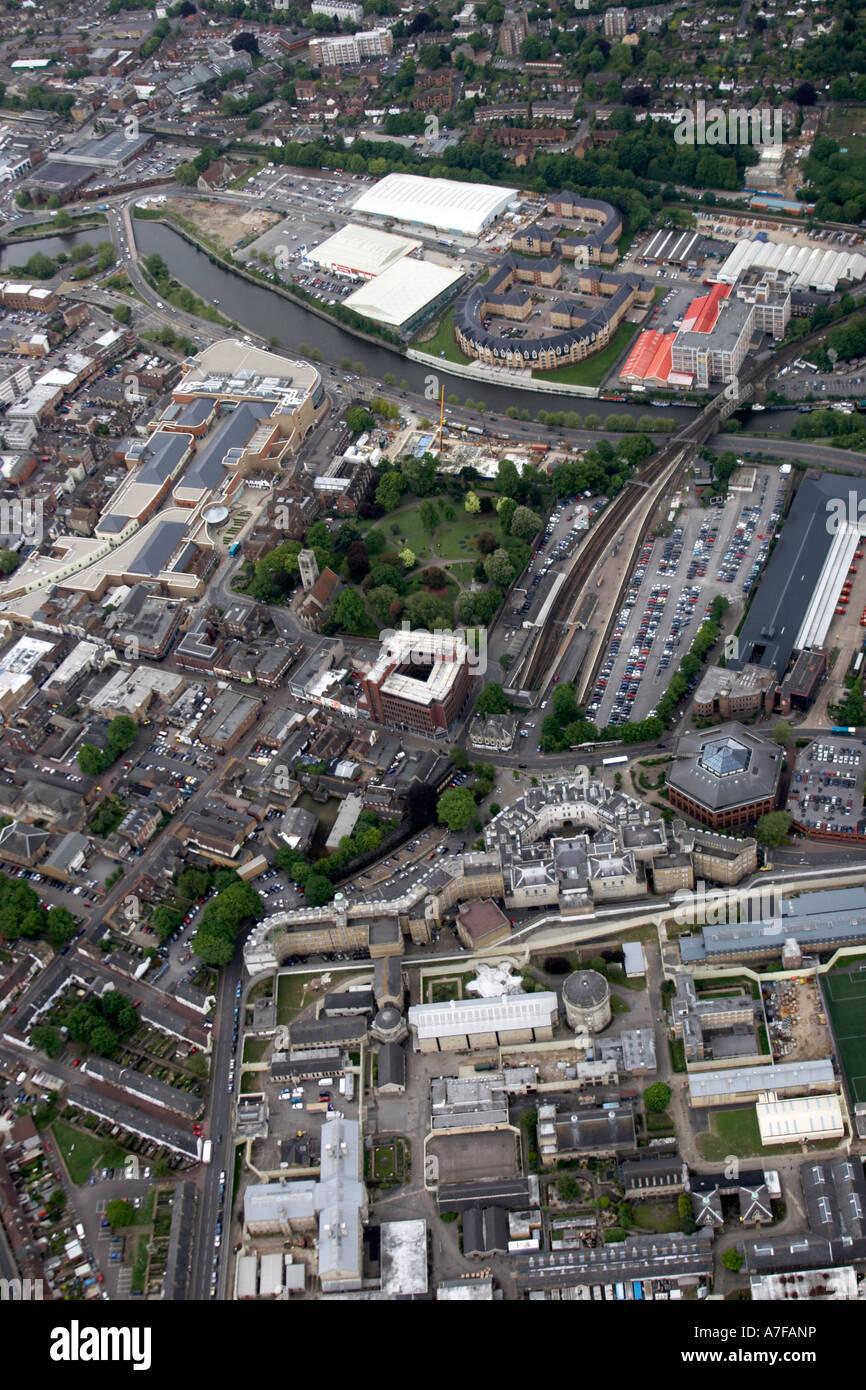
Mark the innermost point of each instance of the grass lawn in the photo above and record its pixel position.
(678, 1054)
(443, 342)
(736, 1132)
(594, 369)
(255, 1049)
(451, 541)
(82, 1151)
(659, 1122)
(139, 1269)
(660, 1217)
(383, 1163)
(623, 981)
(618, 1006)
(462, 571)
(290, 996)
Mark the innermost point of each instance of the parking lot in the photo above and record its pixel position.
(709, 551)
(827, 787)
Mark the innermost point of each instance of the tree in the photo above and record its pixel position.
(783, 734)
(349, 612)
(318, 890)
(459, 757)
(48, 1039)
(491, 700)
(407, 557)
(568, 1188)
(773, 828)
(456, 808)
(9, 561)
(498, 568)
(165, 920)
(732, 1260)
(90, 760)
(657, 1097)
(357, 561)
(212, 949)
(390, 490)
(471, 503)
(359, 420)
(60, 925)
(525, 523)
(120, 1213)
(122, 313)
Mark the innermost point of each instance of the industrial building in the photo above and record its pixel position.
(362, 251)
(405, 294)
(799, 1119)
(813, 267)
(795, 601)
(730, 1085)
(463, 1024)
(823, 921)
(449, 206)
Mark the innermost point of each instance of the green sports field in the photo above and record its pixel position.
(845, 992)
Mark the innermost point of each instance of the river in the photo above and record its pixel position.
(18, 253)
(269, 314)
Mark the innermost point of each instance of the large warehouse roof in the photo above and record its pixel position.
(444, 203)
(461, 1016)
(815, 267)
(403, 291)
(362, 251)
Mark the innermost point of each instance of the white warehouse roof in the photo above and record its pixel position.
(466, 208)
(401, 292)
(462, 1016)
(362, 251)
(816, 267)
(808, 1117)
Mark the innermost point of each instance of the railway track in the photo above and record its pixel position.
(601, 538)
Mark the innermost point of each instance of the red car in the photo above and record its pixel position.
(77, 1062)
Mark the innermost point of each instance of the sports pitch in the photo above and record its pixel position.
(845, 993)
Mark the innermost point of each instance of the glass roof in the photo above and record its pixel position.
(724, 756)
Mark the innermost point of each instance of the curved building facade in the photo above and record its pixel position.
(586, 997)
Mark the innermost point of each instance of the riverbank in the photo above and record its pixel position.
(265, 281)
(37, 230)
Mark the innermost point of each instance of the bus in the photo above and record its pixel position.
(207, 1151)
(233, 549)
(844, 729)
(614, 762)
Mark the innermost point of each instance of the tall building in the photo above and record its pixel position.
(350, 49)
(515, 28)
(338, 9)
(616, 21)
(420, 680)
(309, 568)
